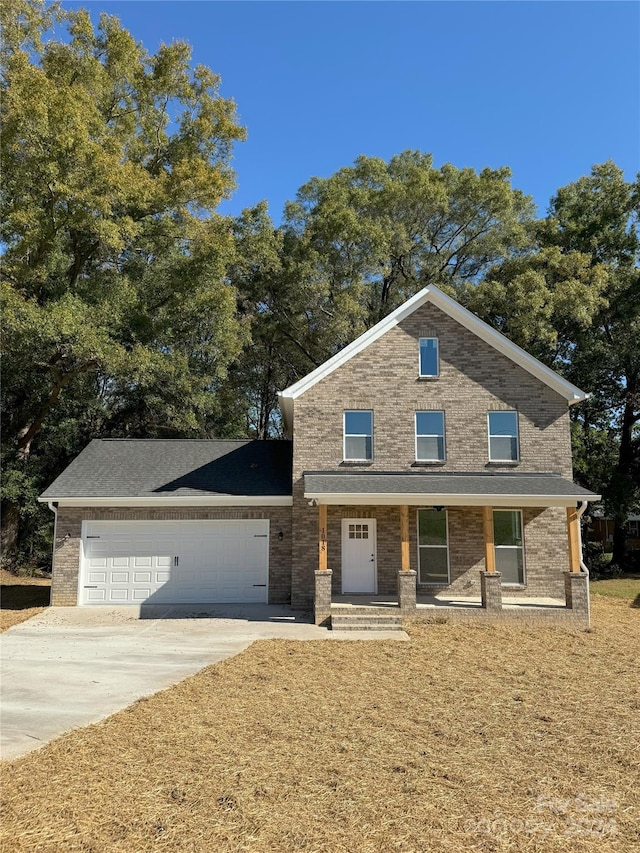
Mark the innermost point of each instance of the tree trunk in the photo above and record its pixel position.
(30, 430)
(9, 531)
(622, 473)
(619, 554)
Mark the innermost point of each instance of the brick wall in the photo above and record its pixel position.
(474, 378)
(69, 531)
(546, 550)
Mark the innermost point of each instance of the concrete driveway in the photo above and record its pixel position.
(72, 666)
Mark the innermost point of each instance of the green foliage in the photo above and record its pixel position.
(379, 231)
(131, 308)
(118, 314)
(573, 300)
(536, 299)
(598, 215)
(352, 248)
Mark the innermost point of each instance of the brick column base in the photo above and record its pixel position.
(576, 591)
(407, 591)
(491, 590)
(322, 599)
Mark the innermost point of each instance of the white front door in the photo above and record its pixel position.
(359, 555)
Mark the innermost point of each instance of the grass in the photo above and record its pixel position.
(627, 587)
(21, 598)
(484, 738)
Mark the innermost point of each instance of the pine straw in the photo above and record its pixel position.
(21, 598)
(448, 742)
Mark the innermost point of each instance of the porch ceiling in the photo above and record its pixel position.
(446, 489)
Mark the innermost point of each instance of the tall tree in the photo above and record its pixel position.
(114, 293)
(382, 230)
(598, 216)
(574, 301)
(351, 249)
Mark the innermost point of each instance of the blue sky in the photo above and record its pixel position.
(547, 88)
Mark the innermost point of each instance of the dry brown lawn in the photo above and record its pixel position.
(21, 598)
(483, 738)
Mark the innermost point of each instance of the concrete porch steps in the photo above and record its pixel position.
(363, 621)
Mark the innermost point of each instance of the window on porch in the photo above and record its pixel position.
(508, 544)
(433, 546)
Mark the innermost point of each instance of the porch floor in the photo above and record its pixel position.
(427, 602)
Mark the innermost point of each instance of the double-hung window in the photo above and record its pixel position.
(433, 546)
(358, 436)
(508, 545)
(429, 365)
(503, 437)
(430, 446)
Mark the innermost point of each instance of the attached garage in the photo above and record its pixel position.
(180, 562)
(173, 522)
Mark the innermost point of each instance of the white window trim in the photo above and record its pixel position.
(344, 435)
(429, 375)
(419, 546)
(633, 528)
(429, 435)
(517, 436)
(523, 582)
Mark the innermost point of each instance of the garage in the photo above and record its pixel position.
(174, 562)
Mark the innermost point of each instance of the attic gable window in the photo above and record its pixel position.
(429, 365)
(358, 436)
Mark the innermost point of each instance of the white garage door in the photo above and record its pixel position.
(172, 562)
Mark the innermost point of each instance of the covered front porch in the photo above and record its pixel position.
(490, 546)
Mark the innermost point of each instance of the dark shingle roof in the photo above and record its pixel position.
(143, 468)
(428, 483)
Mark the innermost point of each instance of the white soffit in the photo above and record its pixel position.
(210, 500)
(413, 499)
(457, 312)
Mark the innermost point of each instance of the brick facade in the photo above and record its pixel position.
(64, 590)
(474, 379)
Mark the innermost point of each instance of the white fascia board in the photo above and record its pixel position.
(500, 342)
(211, 500)
(457, 312)
(395, 499)
(286, 407)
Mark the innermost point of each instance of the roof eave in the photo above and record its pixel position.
(286, 407)
(466, 318)
(152, 501)
(444, 499)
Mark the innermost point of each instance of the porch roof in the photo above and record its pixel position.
(446, 489)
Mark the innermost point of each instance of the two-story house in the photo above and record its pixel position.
(431, 454)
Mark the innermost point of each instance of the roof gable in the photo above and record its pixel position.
(458, 313)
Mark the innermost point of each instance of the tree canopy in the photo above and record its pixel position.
(132, 308)
(114, 288)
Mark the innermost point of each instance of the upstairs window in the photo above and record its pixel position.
(430, 437)
(503, 437)
(429, 357)
(358, 436)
